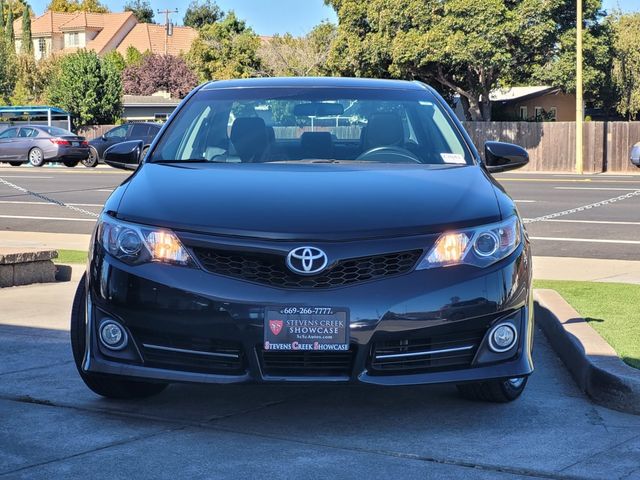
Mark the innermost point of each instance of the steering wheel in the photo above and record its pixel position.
(389, 154)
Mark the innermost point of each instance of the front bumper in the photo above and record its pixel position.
(188, 325)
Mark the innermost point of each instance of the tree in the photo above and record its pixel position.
(7, 70)
(88, 88)
(116, 59)
(1, 17)
(32, 79)
(226, 49)
(111, 98)
(26, 46)
(92, 6)
(159, 73)
(298, 56)
(141, 9)
(133, 56)
(464, 46)
(8, 30)
(200, 14)
(626, 63)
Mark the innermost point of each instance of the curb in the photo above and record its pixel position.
(594, 365)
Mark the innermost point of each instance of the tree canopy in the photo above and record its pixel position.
(159, 73)
(626, 63)
(141, 9)
(225, 49)
(87, 87)
(466, 46)
(203, 13)
(287, 55)
(93, 6)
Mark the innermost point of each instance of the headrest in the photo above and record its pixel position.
(316, 144)
(249, 137)
(383, 129)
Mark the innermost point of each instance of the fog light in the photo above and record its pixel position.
(112, 335)
(502, 337)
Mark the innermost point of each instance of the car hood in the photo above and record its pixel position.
(309, 201)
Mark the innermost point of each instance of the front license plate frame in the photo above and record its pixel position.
(303, 328)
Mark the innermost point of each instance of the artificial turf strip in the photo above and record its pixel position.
(71, 256)
(612, 309)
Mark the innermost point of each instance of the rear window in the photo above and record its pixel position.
(56, 131)
(272, 125)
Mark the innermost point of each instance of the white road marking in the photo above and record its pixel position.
(587, 240)
(64, 219)
(18, 202)
(525, 201)
(598, 188)
(104, 190)
(601, 222)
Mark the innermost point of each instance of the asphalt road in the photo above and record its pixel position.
(52, 426)
(609, 231)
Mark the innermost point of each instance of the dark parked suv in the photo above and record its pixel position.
(303, 230)
(143, 131)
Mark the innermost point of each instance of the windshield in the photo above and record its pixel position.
(251, 125)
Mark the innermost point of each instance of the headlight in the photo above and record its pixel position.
(479, 246)
(135, 244)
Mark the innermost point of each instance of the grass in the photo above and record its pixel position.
(71, 256)
(612, 309)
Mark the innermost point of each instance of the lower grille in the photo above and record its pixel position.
(270, 269)
(436, 353)
(200, 355)
(307, 364)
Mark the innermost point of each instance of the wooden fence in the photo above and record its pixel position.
(551, 145)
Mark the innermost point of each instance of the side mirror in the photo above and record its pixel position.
(500, 157)
(635, 155)
(125, 155)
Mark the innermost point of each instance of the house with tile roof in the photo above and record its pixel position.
(153, 38)
(59, 32)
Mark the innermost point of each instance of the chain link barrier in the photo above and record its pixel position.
(48, 199)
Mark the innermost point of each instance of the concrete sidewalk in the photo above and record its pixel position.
(544, 268)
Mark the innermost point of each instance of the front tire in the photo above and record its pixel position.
(110, 386)
(36, 157)
(93, 160)
(15, 164)
(497, 391)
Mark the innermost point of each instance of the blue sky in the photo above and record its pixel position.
(279, 16)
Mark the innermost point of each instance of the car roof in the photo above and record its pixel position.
(310, 82)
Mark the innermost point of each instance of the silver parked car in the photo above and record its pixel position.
(38, 144)
(635, 154)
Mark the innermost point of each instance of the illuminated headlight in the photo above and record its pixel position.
(480, 246)
(135, 244)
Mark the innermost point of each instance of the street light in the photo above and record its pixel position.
(579, 101)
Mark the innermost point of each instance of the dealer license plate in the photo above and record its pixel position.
(306, 328)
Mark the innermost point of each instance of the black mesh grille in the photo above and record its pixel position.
(447, 352)
(271, 269)
(305, 364)
(190, 354)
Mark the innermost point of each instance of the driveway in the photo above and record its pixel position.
(51, 426)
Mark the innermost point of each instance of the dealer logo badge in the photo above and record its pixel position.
(275, 326)
(307, 260)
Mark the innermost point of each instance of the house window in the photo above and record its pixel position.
(524, 114)
(42, 46)
(73, 39)
(552, 114)
(539, 111)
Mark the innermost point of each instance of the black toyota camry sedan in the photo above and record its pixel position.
(320, 230)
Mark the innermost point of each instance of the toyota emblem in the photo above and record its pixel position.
(307, 260)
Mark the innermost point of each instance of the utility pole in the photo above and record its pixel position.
(579, 95)
(168, 27)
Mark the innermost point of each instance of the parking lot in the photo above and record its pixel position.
(52, 426)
